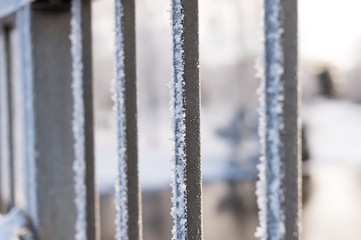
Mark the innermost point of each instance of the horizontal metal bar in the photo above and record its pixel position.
(8, 7)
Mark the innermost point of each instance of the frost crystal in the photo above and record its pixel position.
(271, 95)
(78, 121)
(179, 187)
(121, 188)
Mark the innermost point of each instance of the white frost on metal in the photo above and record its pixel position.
(79, 166)
(179, 187)
(13, 225)
(261, 183)
(23, 21)
(271, 96)
(121, 187)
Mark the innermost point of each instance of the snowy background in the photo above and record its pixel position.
(229, 44)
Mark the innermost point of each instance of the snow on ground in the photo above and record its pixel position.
(334, 128)
(334, 212)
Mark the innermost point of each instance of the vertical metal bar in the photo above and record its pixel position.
(279, 186)
(48, 139)
(2, 77)
(134, 196)
(23, 25)
(128, 203)
(83, 125)
(187, 188)
(17, 116)
(48, 103)
(291, 138)
(93, 221)
(8, 52)
(10, 70)
(6, 121)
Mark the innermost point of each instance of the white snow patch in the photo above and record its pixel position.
(334, 131)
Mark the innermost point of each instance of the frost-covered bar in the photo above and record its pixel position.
(187, 189)
(49, 130)
(128, 221)
(86, 197)
(44, 98)
(278, 189)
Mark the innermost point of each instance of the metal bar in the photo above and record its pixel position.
(93, 220)
(6, 122)
(48, 103)
(17, 117)
(48, 139)
(134, 196)
(8, 53)
(291, 138)
(187, 187)
(83, 104)
(2, 109)
(128, 223)
(279, 186)
(8, 7)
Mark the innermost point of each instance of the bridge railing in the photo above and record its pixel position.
(47, 132)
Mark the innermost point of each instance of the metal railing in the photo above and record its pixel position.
(53, 80)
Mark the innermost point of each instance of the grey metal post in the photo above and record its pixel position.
(48, 102)
(129, 224)
(187, 186)
(280, 217)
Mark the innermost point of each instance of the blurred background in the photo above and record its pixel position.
(230, 42)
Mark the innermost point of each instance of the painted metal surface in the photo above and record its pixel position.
(49, 153)
(128, 197)
(187, 186)
(279, 187)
